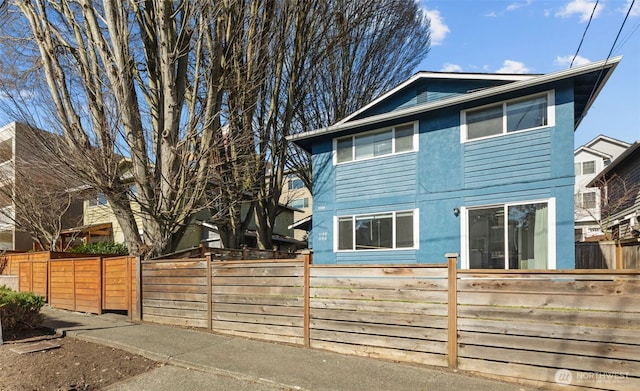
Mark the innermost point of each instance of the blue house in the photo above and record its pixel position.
(479, 164)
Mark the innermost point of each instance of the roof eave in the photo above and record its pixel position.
(488, 92)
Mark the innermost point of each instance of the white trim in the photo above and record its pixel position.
(611, 63)
(438, 75)
(551, 116)
(394, 214)
(551, 230)
(392, 128)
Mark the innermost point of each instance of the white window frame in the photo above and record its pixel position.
(551, 116)
(551, 221)
(393, 143)
(416, 231)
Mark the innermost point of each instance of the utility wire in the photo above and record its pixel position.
(601, 72)
(593, 11)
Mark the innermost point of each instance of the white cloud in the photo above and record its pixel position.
(635, 11)
(515, 6)
(565, 61)
(439, 29)
(510, 66)
(448, 67)
(584, 8)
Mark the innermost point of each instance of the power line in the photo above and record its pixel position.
(609, 55)
(593, 11)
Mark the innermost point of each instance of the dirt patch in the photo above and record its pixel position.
(76, 365)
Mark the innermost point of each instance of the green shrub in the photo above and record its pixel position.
(19, 310)
(101, 248)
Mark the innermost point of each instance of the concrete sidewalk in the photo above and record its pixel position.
(201, 360)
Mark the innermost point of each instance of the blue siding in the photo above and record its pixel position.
(446, 174)
(376, 178)
(517, 157)
(427, 91)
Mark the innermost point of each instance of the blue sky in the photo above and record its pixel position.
(538, 36)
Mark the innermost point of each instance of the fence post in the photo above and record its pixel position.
(138, 289)
(209, 294)
(307, 300)
(452, 313)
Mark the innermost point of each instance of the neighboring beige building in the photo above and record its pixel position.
(298, 197)
(590, 159)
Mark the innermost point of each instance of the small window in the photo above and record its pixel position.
(99, 199)
(509, 116)
(380, 231)
(585, 168)
(300, 203)
(587, 200)
(295, 183)
(381, 142)
(588, 167)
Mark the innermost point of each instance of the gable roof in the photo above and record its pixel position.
(623, 156)
(588, 81)
(611, 140)
(592, 152)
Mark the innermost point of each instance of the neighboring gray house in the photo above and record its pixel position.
(620, 180)
(590, 159)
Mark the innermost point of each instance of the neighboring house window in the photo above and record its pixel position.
(587, 200)
(382, 142)
(100, 199)
(510, 236)
(379, 231)
(300, 203)
(585, 168)
(510, 116)
(295, 183)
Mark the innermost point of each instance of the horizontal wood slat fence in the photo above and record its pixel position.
(543, 328)
(88, 283)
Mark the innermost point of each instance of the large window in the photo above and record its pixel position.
(397, 139)
(380, 231)
(510, 116)
(509, 237)
(295, 183)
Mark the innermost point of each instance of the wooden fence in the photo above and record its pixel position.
(608, 255)
(543, 328)
(89, 284)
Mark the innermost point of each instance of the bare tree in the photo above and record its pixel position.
(190, 101)
(341, 56)
(34, 193)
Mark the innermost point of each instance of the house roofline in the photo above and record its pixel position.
(608, 139)
(437, 75)
(591, 151)
(614, 163)
(488, 92)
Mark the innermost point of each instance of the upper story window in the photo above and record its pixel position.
(100, 199)
(379, 231)
(295, 183)
(381, 142)
(531, 112)
(300, 203)
(585, 168)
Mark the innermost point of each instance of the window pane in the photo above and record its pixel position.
(404, 138)
(527, 114)
(382, 143)
(589, 200)
(528, 236)
(404, 229)
(364, 146)
(374, 232)
(296, 183)
(484, 122)
(486, 238)
(345, 150)
(589, 167)
(577, 168)
(345, 233)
